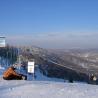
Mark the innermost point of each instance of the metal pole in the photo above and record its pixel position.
(33, 76)
(19, 61)
(7, 58)
(0, 60)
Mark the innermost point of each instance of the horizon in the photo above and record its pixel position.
(50, 24)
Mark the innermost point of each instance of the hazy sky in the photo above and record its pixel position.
(50, 23)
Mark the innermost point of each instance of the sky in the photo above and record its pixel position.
(50, 23)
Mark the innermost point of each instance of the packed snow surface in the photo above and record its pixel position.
(46, 89)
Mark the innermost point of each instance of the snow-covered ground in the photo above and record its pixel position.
(44, 87)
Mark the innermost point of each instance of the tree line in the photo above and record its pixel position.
(10, 53)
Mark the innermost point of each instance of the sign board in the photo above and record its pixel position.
(30, 67)
(2, 42)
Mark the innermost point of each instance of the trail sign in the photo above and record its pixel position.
(31, 67)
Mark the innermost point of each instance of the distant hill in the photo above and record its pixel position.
(70, 64)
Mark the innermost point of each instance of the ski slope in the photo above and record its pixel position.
(44, 87)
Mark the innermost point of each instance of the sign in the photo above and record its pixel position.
(30, 67)
(2, 42)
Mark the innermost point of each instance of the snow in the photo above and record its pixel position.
(41, 77)
(2, 69)
(44, 87)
